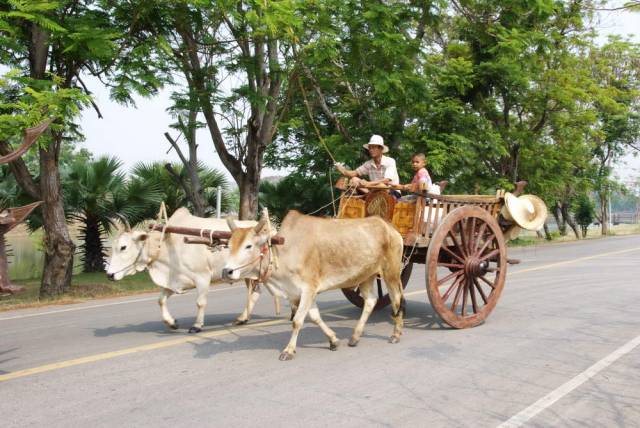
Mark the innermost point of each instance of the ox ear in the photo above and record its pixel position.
(232, 224)
(140, 236)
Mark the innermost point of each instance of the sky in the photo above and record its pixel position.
(137, 134)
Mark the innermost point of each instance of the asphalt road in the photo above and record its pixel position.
(562, 348)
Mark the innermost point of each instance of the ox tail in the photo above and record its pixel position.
(397, 244)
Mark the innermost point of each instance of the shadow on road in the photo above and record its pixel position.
(210, 322)
(7, 359)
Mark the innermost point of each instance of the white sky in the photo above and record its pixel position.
(136, 134)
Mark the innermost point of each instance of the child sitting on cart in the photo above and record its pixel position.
(421, 180)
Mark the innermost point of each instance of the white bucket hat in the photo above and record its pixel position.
(376, 140)
(527, 211)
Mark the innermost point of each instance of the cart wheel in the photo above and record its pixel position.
(354, 297)
(466, 266)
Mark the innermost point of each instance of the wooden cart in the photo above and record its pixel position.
(460, 239)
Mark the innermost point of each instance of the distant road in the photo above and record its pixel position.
(562, 348)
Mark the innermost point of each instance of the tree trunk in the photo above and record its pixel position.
(58, 246)
(93, 249)
(604, 213)
(248, 198)
(196, 186)
(569, 220)
(560, 222)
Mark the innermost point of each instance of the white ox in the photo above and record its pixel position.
(176, 266)
(321, 254)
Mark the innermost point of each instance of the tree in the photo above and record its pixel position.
(584, 211)
(234, 57)
(616, 70)
(97, 194)
(22, 104)
(360, 74)
(52, 44)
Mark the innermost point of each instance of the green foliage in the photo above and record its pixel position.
(25, 102)
(309, 195)
(173, 194)
(584, 213)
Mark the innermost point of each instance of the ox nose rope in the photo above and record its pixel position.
(267, 248)
(131, 264)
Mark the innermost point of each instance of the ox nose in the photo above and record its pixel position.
(111, 276)
(226, 273)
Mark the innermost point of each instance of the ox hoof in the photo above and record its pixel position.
(333, 346)
(394, 339)
(195, 330)
(353, 342)
(173, 326)
(285, 356)
(240, 322)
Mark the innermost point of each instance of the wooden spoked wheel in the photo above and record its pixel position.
(383, 297)
(466, 266)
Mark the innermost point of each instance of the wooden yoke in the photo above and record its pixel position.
(207, 235)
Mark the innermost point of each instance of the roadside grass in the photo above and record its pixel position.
(84, 286)
(527, 238)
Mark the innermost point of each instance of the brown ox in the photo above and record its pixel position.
(319, 255)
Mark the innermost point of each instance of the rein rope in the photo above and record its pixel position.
(324, 144)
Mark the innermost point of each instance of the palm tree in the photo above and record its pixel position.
(97, 192)
(173, 194)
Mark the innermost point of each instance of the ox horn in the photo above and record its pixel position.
(232, 224)
(263, 220)
(125, 222)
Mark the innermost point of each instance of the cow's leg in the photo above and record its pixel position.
(253, 294)
(276, 296)
(370, 299)
(165, 293)
(294, 303)
(201, 303)
(394, 288)
(306, 302)
(314, 315)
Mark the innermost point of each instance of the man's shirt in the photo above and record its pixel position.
(387, 169)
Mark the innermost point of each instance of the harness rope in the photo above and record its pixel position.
(162, 218)
(324, 144)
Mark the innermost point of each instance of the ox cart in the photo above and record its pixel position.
(460, 239)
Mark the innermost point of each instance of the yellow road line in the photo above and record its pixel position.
(149, 347)
(230, 330)
(566, 262)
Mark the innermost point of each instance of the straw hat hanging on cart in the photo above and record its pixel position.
(526, 212)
